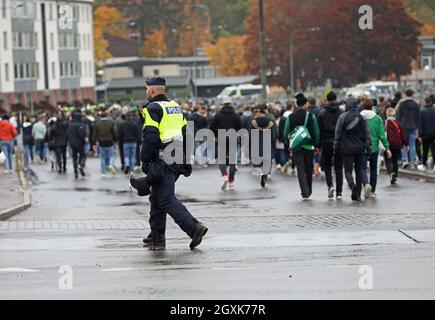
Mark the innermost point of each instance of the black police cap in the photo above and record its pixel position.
(156, 82)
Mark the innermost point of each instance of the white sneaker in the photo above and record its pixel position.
(103, 175)
(367, 191)
(331, 193)
(232, 185)
(421, 167)
(224, 183)
(112, 170)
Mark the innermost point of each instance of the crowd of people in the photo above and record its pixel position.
(346, 138)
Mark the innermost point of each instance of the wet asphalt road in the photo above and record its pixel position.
(262, 244)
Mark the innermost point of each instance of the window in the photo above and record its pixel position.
(61, 69)
(7, 72)
(50, 12)
(52, 41)
(53, 70)
(21, 75)
(5, 40)
(4, 8)
(16, 71)
(27, 72)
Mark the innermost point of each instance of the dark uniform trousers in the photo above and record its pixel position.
(163, 201)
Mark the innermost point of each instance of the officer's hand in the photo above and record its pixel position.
(145, 167)
(187, 170)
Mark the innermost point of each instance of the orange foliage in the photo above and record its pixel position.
(155, 45)
(229, 54)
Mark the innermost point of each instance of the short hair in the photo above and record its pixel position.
(312, 101)
(409, 93)
(5, 117)
(390, 112)
(368, 104)
(428, 100)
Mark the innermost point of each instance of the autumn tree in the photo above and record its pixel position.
(155, 45)
(228, 54)
(106, 20)
(340, 50)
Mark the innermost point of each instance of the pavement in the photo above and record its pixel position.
(262, 243)
(13, 199)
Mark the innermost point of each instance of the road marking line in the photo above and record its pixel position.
(18, 270)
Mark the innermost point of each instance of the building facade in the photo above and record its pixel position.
(46, 53)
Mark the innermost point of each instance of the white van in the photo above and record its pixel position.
(242, 91)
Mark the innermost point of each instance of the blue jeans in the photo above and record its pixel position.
(129, 154)
(39, 146)
(27, 154)
(411, 136)
(107, 158)
(6, 148)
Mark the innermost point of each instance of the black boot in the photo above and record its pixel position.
(157, 243)
(200, 232)
(148, 239)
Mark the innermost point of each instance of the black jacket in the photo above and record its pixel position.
(426, 128)
(328, 118)
(200, 122)
(129, 131)
(352, 135)
(262, 124)
(59, 134)
(152, 144)
(77, 135)
(408, 113)
(226, 119)
(27, 133)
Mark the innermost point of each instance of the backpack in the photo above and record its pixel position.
(394, 136)
(300, 136)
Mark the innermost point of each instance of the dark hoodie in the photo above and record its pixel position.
(352, 135)
(226, 119)
(328, 119)
(77, 133)
(264, 123)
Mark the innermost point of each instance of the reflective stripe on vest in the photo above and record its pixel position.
(172, 123)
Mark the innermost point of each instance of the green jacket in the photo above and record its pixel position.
(298, 119)
(377, 131)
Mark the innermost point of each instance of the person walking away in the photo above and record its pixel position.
(377, 134)
(39, 133)
(227, 119)
(137, 119)
(7, 135)
(105, 137)
(397, 140)
(165, 126)
(284, 153)
(328, 119)
(59, 136)
(200, 122)
(130, 134)
(27, 141)
(352, 139)
(77, 140)
(407, 114)
(426, 132)
(263, 123)
(304, 156)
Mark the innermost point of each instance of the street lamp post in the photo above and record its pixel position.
(262, 53)
(291, 50)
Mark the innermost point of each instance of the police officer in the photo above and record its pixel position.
(164, 124)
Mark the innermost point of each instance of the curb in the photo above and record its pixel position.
(10, 212)
(414, 175)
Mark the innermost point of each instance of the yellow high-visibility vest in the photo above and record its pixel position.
(172, 123)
